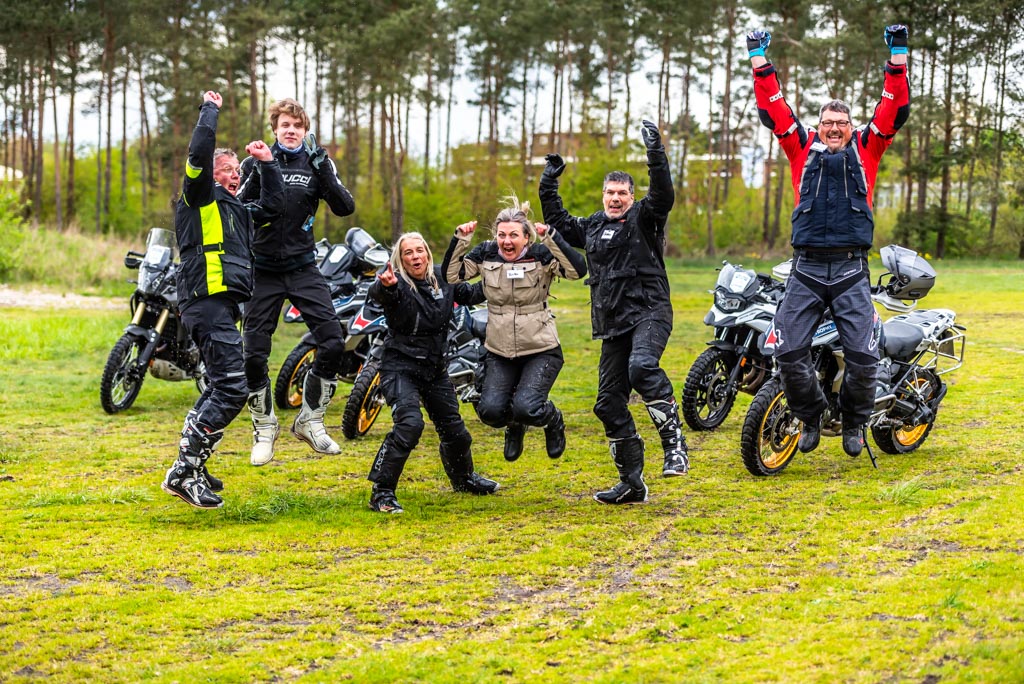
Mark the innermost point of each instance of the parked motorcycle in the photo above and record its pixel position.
(917, 349)
(744, 306)
(349, 269)
(154, 341)
(464, 355)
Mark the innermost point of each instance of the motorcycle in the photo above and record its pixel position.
(464, 357)
(349, 269)
(917, 348)
(744, 306)
(154, 340)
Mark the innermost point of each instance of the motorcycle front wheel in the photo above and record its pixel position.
(707, 399)
(770, 431)
(364, 403)
(291, 377)
(122, 377)
(902, 439)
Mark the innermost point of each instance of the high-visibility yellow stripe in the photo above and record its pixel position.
(213, 233)
(191, 171)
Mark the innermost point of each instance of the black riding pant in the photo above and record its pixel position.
(306, 288)
(631, 361)
(841, 283)
(516, 390)
(404, 390)
(212, 323)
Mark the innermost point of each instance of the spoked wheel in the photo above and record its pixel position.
(707, 399)
(288, 386)
(902, 439)
(364, 403)
(122, 375)
(770, 431)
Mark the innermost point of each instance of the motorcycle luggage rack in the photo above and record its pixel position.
(946, 354)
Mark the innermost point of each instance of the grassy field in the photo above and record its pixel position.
(830, 572)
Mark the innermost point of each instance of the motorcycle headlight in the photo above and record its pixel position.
(727, 302)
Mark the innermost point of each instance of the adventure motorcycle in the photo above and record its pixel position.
(155, 340)
(917, 348)
(349, 269)
(464, 355)
(744, 306)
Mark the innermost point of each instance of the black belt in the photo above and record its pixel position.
(830, 253)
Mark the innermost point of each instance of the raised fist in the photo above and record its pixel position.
(896, 39)
(758, 42)
(555, 165)
(651, 135)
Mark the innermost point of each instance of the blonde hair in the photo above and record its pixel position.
(399, 268)
(516, 212)
(291, 108)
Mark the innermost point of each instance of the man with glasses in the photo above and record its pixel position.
(833, 172)
(630, 310)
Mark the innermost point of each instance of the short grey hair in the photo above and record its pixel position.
(835, 106)
(515, 212)
(618, 177)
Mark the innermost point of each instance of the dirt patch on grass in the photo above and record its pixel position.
(40, 299)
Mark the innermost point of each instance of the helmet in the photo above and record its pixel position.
(912, 276)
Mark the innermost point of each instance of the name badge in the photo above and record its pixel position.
(515, 274)
(438, 294)
(608, 234)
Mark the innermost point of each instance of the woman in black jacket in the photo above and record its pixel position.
(418, 306)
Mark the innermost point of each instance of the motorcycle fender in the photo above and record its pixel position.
(140, 331)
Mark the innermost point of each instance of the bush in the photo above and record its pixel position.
(11, 234)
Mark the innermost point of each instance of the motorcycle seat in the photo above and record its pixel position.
(900, 340)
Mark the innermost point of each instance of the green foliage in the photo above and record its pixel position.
(12, 233)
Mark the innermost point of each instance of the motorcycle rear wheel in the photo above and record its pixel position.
(122, 378)
(364, 403)
(706, 398)
(902, 439)
(769, 437)
(291, 377)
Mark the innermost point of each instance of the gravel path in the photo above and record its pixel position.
(40, 299)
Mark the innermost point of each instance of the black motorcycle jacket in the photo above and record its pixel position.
(286, 242)
(628, 283)
(418, 319)
(214, 229)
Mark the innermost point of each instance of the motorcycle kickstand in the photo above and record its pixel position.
(867, 445)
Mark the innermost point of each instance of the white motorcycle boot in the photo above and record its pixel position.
(309, 424)
(264, 427)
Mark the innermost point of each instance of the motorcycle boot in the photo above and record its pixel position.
(184, 478)
(810, 436)
(214, 483)
(458, 465)
(554, 434)
(628, 454)
(514, 434)
(665, 415)
(309, 424)
(384, 501)
(265, 427)
(853, 441)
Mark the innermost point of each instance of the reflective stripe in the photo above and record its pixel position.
(213, 232)
(191, 171)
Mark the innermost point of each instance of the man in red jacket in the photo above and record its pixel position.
(833, 170)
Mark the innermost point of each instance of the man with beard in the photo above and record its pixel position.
(833, 172)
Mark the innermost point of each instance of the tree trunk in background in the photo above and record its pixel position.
(926, 142)
(947, 144)
(144, 171)
(255, 113)
(969, 203)
(1000, 112)
(124, 131)
(37, 195)
(56, 137)
(428, 104)
(72, 51)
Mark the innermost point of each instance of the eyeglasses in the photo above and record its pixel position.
(837, 124)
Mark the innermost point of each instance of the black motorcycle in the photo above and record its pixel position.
(154, 341)
(349, 268)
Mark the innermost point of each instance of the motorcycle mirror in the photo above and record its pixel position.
(132, 261)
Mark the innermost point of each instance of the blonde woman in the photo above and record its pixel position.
(418, 307)
(525, 355)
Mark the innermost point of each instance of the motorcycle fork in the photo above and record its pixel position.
(741, 362)
(153, 337)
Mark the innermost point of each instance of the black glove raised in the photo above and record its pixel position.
(896, 39)
(316, 153)
(651, 136)
(555, 165)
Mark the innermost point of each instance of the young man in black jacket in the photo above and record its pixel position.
(214, 232)
(630, 310)
(285, 260)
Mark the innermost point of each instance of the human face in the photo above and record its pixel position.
(617, 199)
(415, 257)
(511, 238)
(835, 129)
(289, 131)
(225, 172)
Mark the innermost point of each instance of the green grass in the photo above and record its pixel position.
(830, 572)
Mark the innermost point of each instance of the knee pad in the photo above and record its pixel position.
(257, 350)
(408, 426)
(330, 345)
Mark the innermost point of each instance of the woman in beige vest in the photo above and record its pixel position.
(525, 356)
